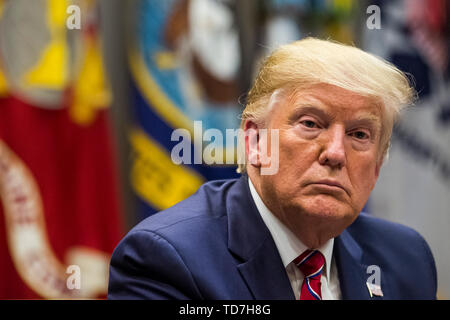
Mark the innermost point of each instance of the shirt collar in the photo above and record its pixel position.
(288, 245)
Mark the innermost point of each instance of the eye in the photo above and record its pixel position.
(309, 124)
(360, 135)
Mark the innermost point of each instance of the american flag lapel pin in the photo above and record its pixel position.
(374, 290)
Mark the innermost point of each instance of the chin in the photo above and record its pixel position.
(327, 207)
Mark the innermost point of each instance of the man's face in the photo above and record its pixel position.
(329, 142)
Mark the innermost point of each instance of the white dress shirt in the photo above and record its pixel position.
(290, 247)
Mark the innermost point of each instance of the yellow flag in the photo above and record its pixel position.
(52, 69)
(90, 90)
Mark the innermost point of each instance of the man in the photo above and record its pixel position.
(297, 232)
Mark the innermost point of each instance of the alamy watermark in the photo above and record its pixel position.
(374, 20)
(73, 21)
(74, 279)
(192, 150)
(374, 281)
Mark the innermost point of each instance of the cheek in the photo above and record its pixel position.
(298, 154)
(363, 175)
(296, 158)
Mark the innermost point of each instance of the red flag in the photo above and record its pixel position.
(59, 212)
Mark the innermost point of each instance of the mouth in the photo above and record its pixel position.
(330, 185)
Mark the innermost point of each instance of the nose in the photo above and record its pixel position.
(333, 152)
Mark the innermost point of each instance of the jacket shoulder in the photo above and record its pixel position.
(377, 234)
(400, 251)
(206, 205)
(369, 227)
(179, 252)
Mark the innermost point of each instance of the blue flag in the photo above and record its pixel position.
(184, 61)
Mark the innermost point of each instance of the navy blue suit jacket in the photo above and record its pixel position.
(215, 245)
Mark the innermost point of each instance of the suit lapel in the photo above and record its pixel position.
(249, 239)
(265, 275)
(351, 269)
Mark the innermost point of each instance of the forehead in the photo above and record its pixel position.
(334, 101)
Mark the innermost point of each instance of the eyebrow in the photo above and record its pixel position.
(301, 109)
(367, 119)
(361, 119)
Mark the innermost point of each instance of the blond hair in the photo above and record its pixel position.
(312, 61)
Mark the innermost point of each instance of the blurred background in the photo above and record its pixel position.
(91, 92)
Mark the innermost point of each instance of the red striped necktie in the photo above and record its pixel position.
(311, 263)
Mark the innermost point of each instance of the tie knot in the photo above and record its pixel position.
(310, 263)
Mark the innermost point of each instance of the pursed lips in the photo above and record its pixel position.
(331, 183)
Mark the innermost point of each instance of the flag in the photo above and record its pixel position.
(60, 207)
(184, 60)
(414, 182)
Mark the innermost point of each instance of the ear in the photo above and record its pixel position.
(251, 143)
